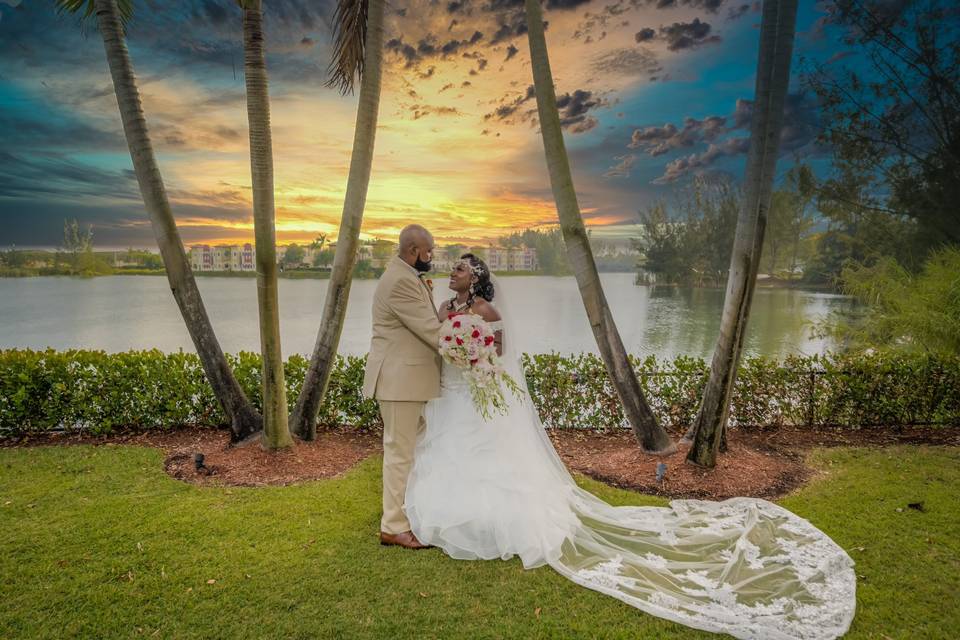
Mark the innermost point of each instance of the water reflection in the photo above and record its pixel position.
(118, 313)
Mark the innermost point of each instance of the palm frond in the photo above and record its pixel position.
(88, 7)
(350, 33)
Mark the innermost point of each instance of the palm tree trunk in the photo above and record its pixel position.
(773, 79)
(649, 433)
(244, 419)
(276, 432)
(304, 421)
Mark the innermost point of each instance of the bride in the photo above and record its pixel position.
(496, 489)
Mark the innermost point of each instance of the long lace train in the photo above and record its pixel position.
(747, 567)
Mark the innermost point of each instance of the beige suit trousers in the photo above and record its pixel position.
(402, 422)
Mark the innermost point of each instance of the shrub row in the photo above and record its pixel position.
(862, 390)
(98, 392)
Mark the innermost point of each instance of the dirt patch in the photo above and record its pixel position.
(332, 453)
(743, 470)
(759, 462)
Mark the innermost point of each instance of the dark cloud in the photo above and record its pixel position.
(427, 49)
(508, 107)
(634, 61)
(621, 6)
(656, 141)
(798, 135)
(50, 176)
(687, 35)
(573, 109)
(215, 12)
(565, 4)
(710, 6)
(56, 131)
(511, 51)
(695, 162)
(621, 169)
(509, 31)
(421, 111)
(737, 12)
(801, 122)
(406, 51)
(645, 34)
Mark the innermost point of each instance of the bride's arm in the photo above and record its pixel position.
(487, 311)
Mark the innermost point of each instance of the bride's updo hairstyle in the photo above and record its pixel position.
(483, 288)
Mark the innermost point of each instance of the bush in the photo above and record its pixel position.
(880, 389)
(98, 392)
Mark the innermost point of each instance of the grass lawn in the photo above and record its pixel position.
(99, 542)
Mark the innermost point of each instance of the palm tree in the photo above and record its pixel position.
(276, 431)
(358, 49)
(773, 78)
(110, 16)
(652, 437)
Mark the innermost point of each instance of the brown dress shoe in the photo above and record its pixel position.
(406, 540)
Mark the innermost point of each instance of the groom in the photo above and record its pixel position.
(403, 371)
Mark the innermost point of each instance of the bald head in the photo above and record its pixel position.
(416, 246)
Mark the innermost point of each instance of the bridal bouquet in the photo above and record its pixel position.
(466, 341)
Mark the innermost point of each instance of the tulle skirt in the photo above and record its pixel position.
(474, 491)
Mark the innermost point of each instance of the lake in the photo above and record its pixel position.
(118, 313)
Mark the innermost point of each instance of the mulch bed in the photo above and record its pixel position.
(763, 463)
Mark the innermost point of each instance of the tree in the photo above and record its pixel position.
(78, 246)
(660, 246)
(14, 259)
(276, 430)
(323, 258)
(244, 420)
(650, 434)
(319, 241)
(859, 229)
(802, 184)
(381, 251)
(293, 256)
(358, 49)
(894, 112)
(779, 228)
(695, 248)
(901, 310)
(773, 78)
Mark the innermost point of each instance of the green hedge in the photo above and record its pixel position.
(97, 392)
(862, 390)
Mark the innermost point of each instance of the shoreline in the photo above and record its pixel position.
(766, 283)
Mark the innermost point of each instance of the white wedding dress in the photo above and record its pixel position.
(496, 489)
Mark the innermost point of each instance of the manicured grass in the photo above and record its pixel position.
(99, 542)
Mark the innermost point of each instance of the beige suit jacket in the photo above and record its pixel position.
(403, 363)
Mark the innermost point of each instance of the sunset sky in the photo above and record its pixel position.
(651, 92)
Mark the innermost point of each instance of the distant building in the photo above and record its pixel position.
(377, 252)
(497, 259)
(230, 257)
(515, 259)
